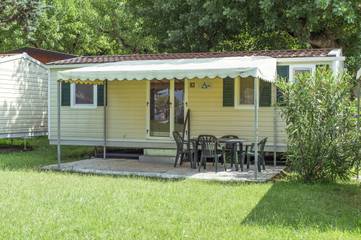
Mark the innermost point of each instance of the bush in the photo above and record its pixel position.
(323, 142)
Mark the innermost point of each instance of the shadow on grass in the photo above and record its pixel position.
(320, 206)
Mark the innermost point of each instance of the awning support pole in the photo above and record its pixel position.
(358, 128)
(105, 119)
(275, 131)
(59, 123)
(256, 81)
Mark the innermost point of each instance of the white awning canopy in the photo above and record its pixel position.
(258, 67)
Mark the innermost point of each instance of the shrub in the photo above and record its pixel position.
(323, 142)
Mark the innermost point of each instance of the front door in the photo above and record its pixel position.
(166, 107)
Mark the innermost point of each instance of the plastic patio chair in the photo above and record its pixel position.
(229, 149)
(209, 149)
(250, 152)
(181, 148)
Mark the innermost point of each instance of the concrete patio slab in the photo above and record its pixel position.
(127, 167)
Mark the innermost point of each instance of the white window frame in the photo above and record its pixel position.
(294, 67)
(83, 106)
(237, 95)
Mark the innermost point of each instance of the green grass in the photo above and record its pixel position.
(47, 205)
(43, 154)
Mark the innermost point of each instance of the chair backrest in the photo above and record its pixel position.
(261, 145)
(208, 144)
(178, 140)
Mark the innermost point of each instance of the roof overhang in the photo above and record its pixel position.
(12, 57)
(257, 66)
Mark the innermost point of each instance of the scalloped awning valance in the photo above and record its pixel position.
(257, 66)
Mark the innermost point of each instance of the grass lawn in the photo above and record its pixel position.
(47, 205)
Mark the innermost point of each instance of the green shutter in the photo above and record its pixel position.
(265, 93)
(228, 92)
(65, 94)
(100, 95)
(282, 72)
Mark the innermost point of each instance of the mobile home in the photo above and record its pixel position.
(23, 96)
(136, 101)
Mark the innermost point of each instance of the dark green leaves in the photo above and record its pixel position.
(319, 114)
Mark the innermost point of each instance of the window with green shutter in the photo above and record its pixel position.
(265, 93)
(282, 72)
(65, 94)
(228, 92)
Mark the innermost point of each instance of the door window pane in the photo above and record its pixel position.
(159, 108)
(246, 91)
(178, 105)
(84, 94)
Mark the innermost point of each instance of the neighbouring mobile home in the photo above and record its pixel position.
(137, 101)
(23, 96)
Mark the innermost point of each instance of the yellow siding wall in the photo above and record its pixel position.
(126, 114)
(23, 98)
(77, 124)
(208, 116)
(127, 109)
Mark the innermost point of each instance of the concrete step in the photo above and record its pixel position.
(118, 155)
(156, 159)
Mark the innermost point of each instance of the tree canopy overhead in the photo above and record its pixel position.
(89, 27)
(205, 24)
(18, 19)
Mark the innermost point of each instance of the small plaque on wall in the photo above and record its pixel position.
(204, 84)
(192, 84)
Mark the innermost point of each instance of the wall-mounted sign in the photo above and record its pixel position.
(201, 83)
(204, 84)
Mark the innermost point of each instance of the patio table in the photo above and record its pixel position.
(238, 142)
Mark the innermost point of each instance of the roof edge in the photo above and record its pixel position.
(41, 49)
(332, 52)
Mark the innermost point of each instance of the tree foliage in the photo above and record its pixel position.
(90, 27)
(18, 20)
(138, 26)
(199, 25)
(322, 139)
(203, 25)
(80, 27)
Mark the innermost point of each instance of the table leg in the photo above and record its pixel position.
(235, 156)
(195, 155)
(241, 156)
